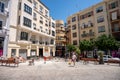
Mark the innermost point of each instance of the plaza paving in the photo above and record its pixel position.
(60, 70)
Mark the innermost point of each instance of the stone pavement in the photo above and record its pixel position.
(60, 70)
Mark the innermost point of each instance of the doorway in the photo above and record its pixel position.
(41, 52)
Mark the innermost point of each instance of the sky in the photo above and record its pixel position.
(61, 9)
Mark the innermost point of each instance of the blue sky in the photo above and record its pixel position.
(61, 9)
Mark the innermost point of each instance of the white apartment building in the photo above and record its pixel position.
(32, 30)
(4, 28)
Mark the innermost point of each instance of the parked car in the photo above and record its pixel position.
(108, 57)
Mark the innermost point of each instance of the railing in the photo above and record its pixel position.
(87, 26)
(87, 34)
(118, 17)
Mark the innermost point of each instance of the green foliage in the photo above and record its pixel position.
(86, 45)
(71, 48)
(100, 53)
(77, 51)
(104, 42)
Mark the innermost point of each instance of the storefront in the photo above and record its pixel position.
(23, 53)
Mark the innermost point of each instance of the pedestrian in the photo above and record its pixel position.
(96, 57)
(44, 60)
(74, 58)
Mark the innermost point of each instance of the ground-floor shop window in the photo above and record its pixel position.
(13, 52)
(33, 52)
(23, 53)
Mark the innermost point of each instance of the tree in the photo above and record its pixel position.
(70, 48)
(105, 42)
(77, 51)
(86, 45)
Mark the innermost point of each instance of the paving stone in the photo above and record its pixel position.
(60, 70)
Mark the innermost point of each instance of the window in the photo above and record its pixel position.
(75, 34)
(27, 9)
(13, 52)
(83, 26)
(41, 20)
(52, 41)
(41, 9)
(89, 14)
(24, 36)
(19, 5)
(73, 19)
(2, 6)
(53, 25)
(114, 15)
(35, 5)
(116, 27)
(101, 29)
(34, 16)
(100, 19)
(53, 33)
(46, 13)
(99, 9)
(0, 25)
(19, 20)
(34, 26)
(74, 27)
(27, 22)
(90, 24)
(75, 42)
(113, 5)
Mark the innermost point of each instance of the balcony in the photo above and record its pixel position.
(87, 26)
(115, 30)
(43, 43)
(23, 42)
(91, 34)
(4, 12)
(84, 35)
(34, 41)
(88, 34)
(117, 19)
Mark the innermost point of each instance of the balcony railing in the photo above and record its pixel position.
(87, 26)
(88, 34)
(116, 30)
(118, 18)
(4, 12)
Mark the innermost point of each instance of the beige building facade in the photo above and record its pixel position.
(60, 38)
(32, 30)
(93, 22)
(113, 8)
